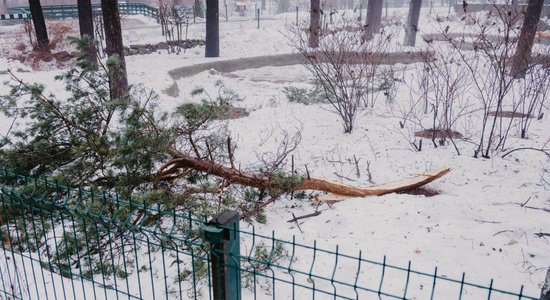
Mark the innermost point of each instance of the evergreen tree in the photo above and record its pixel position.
(118, 82)
(86, 23)
(89, 139)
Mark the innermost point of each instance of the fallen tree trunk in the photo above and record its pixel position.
(264, 182)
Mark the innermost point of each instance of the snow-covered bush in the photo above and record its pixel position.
(344, 63)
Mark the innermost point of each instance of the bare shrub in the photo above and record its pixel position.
(486, 57)
(344, 63)
(172, 19)
(530, 96)
(443, 81)
(58, 33)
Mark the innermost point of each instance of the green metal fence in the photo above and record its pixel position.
(71, 11)
(60, 242)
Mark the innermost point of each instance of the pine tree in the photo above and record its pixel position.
(39, 23)
(118, 82)
(86, 22)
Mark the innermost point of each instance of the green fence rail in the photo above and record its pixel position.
(60, 242)
(71, 11)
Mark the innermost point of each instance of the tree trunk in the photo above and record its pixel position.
(86, 23)
(197, 9)
(118, 82)
(4, 7)
(545, 291)
(374, 18)
(522, 57)
(39, 23)
(283, 6)
(314, 24)
(411, 27)
(212, 46)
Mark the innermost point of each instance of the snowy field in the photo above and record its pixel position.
(483, 220)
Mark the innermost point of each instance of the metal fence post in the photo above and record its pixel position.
(222, 233)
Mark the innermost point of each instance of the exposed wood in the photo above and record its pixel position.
(261, 181)
(392, 187)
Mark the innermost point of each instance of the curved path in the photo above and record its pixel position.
(278, 60)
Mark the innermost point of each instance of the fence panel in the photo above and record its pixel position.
(63, 242)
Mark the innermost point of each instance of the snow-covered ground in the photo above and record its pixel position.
(478, 224)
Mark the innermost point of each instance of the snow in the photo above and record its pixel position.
(478, 224)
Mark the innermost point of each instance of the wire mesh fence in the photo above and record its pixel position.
(55, 239)
(61, 242)
(71, 10)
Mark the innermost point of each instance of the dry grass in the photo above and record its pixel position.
(27, 51)
(438, 133)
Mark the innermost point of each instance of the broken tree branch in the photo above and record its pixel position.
(294, 218)
(261, 181)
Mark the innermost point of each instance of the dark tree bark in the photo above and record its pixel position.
(118, 82)
(212, 46)
(86, 23)
(197, 9)
(39, 23)
(411, 27)
(314, 24)
(374, 18)
(545, 291)
(522, 57)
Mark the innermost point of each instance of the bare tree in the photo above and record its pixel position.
(526, 38)
(172, 20)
